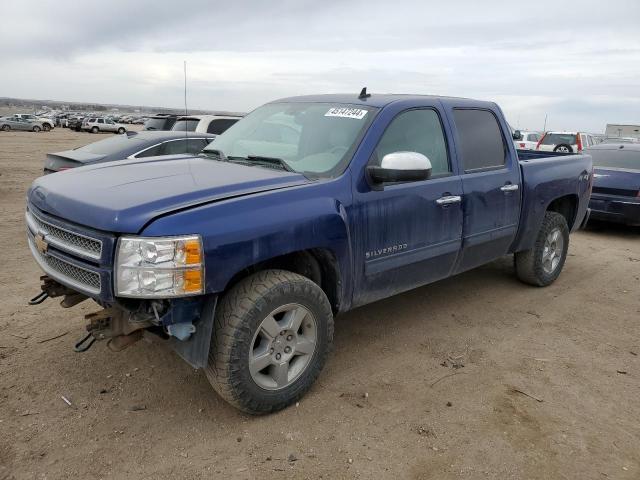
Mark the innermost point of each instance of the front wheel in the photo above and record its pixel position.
(46, 127)
(273, 332)
(95, 129)
(541, 265)
(36, 129)
(6, 128)
(121, 131)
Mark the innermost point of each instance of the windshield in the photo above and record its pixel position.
(558, 138)
(311, 138)
(187, 125)
(618, 158)
(108, 146)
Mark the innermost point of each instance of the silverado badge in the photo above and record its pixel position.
(41, 244)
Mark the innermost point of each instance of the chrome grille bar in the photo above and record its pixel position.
(64, 239)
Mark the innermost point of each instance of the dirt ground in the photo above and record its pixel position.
(475, 377)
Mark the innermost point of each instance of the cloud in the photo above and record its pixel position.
(576, 61)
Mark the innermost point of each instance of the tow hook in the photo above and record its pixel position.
(83, 345)
(113, 325)
(38, 299)
(51, 289)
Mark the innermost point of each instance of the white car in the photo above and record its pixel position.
(47, 123)
(565, 142)
(96, 125)
(526, 140)
(215, 124)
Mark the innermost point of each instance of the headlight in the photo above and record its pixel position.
(159, 267)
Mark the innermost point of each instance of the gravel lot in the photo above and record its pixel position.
(478, 376)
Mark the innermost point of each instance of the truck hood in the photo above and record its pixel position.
(124, 196)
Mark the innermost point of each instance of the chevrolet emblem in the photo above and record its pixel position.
(40, 242)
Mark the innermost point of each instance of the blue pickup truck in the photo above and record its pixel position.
(240, 257)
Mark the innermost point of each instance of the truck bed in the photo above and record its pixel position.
(544, 175)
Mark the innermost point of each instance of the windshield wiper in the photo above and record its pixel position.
(214, 154)
(265, 161)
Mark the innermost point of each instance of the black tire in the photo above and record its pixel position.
(529, 263)
(95, 129)
(46, 127)
(36, 129)
(239, 316)
(6, 128)
(563, 148)
(121, 131)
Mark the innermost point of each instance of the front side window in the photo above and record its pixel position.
(481, 142)
(416, 131)
(311, 138)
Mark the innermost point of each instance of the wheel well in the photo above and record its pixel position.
(318, 265)
(565, 206)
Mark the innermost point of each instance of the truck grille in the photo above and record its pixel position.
(80, 278)
(63, 239)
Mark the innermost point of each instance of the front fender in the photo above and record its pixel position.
(241, 232)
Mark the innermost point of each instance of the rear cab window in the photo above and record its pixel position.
(481, 144)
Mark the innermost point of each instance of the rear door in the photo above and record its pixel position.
(491, 186)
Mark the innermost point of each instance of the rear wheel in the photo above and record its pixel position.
(36, 129)
(121, 131)
(95, 129)
(541, 265)
(272, 334)
(6, 128)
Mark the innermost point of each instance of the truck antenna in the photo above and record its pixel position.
(364, 94)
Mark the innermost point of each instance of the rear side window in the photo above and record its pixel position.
(416, 131)
(481, 142)
(220, 125)
(186, 125)
(152, 152)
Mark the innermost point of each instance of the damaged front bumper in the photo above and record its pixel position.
(185, 323)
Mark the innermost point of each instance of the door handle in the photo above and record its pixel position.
(448, 200)
(510, 187)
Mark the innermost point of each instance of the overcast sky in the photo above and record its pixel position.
(577, 61)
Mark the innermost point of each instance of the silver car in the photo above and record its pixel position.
(15, 123)
(96, 125)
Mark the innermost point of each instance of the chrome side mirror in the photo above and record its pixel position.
(401, 167)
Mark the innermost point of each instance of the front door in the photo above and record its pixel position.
(491, 185)
(408, 234)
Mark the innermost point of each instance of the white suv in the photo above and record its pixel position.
(215, 124)
(565, 142)
(526, 140)
(96, 125)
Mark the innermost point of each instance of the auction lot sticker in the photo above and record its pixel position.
(345, 112)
